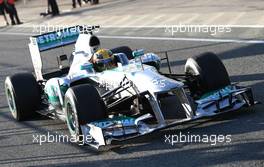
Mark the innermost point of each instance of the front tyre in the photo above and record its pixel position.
(83, 105)
(209, 72)
(23, 95)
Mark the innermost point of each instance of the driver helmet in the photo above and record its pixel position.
(103, 54)
(103, 60)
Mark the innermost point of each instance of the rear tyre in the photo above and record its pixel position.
(83, 105)
(209, 72)
(124, 49)
(23, 95)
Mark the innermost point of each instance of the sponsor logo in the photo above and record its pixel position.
(55, 39)
(124, 121)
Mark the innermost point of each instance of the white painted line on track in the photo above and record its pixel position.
(185, 39)
(17, 33)
(218, 40)
(180, 25)
(153, 26)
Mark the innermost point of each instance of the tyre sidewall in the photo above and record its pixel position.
(9, 87)
(70, 99)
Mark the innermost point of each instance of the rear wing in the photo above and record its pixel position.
(52, 40)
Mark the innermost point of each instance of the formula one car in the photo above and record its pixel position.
(132, 99)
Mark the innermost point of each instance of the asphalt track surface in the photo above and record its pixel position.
(244, 62)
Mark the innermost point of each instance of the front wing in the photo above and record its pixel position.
(103, 132)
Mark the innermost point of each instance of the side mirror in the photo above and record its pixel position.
(138, 53)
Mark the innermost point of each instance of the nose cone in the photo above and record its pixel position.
(149, 79)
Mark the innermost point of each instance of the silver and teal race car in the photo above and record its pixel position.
(132, 99)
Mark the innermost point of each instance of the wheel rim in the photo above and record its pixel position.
(11, 102)
(71, 119)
